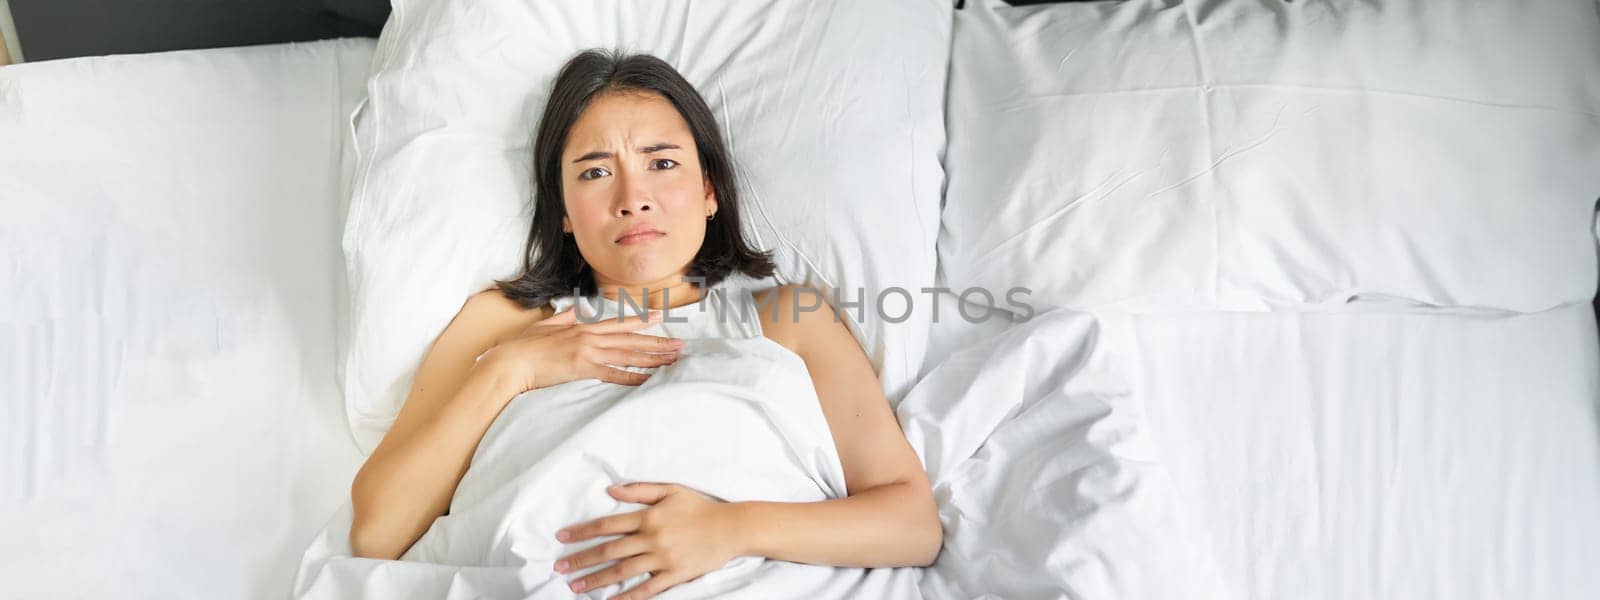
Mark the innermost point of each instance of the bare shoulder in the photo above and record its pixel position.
(799, 317)
(485, 319)
(494, 301)
(496, 317)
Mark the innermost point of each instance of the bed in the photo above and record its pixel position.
(172, 421)
(188, 297)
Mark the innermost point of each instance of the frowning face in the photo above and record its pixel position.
(636, 197)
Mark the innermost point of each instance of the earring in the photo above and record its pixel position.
(711, 216)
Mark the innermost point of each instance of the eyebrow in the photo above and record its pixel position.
(599, 154)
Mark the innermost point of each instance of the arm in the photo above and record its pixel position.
(411, 476)
(397, 495)
(890, 518)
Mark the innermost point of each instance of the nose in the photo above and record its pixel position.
(631, 198)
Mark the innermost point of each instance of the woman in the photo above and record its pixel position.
(636, 200)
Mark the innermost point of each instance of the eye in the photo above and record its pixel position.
(593, 173)
(663, 163)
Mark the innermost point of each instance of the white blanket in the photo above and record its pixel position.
(736, 419)
(1048, 480)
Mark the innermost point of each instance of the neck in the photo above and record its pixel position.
(667, 293)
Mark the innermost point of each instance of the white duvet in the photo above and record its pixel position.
(736, 419)
(1048, 480)
(1048, 483)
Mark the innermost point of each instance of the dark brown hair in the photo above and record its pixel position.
(552, 266)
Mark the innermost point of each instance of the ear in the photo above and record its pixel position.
(711, 196)
(566, 224)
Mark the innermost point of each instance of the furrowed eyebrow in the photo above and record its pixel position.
(592, 156)
(601, 154)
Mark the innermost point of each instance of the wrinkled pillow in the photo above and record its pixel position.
(1250, 155)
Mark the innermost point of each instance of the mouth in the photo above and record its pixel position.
(639, 235)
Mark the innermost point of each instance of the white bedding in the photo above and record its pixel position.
(735, 419)
(1042, 463)
(1258, 154)
(1383, 454)
(170, 425)
(169, 227)
(1376, 450)
(1048, 480)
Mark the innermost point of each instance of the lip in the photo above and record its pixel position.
(638, 234)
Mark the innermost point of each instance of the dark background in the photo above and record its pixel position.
(50, 29)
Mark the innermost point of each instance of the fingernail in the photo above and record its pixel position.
(561, 565)
(577, 586)
(676, 342)
(562, 535)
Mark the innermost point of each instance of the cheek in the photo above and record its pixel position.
(694, 237)
(687, 195)
(586, 214)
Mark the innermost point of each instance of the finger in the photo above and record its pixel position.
(638, 342)
(607, 552)
(567, 316)
(621, 571)
(629, 358)
(657, 583)
(612, 525)
(641, 493)
(610, 375)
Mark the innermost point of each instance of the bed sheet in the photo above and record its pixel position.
(169, 254)
(1377, 450)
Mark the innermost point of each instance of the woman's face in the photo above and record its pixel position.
(630, 165)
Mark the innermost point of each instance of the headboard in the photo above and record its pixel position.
(49, 29)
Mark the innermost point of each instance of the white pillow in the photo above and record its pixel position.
(1253, 155)
(169, 288)
(833, 113)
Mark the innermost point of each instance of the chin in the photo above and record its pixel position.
(641, 270)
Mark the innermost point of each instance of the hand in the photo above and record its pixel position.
(682, 536)
(560, 349)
